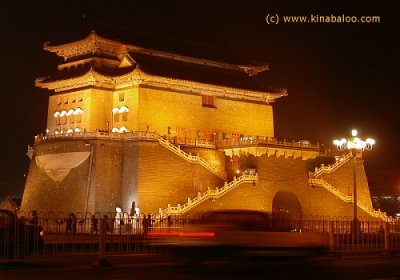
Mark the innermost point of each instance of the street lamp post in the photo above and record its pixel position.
(354, 144)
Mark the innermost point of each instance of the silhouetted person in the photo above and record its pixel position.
(106, 223)
(145, 224)
(35, 219)
(93, 228)
(74, 222)
(69, 224)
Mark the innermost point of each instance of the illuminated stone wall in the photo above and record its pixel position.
(161, 109)
(67, 101)
(114, 175)
(343, 179)
(42, 193)
(97, 105)
(289, 175)
(166, 178)
(130, 100)
(117, 173)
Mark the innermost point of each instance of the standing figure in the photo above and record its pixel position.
(69, 224)
(93, 228)
(106, 224)
(145, 224)
(74, 222)
(35, 219)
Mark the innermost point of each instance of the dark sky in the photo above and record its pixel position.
(338, 76)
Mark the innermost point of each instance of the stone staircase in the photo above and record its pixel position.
(191, 158)
(209, 194)
(315, 180)
(330, 168)
(349, 199)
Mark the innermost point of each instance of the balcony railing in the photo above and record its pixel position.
(134, 135)
(265, 141)
(183, 141)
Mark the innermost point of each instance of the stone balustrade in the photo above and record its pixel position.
(209, 194)
(192, 158)
(349, 199)
(132, 136)
(265, 141)
(330, 168)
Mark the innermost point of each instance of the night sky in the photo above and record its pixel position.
(338, 76)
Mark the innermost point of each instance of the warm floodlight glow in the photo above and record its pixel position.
(354, 143)
(118, 210)
(78, 111)
(70, 112)
(121, 110)
(119, 130)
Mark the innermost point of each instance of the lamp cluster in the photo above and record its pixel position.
(354, 143)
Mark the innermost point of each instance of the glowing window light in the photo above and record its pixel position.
(70, 131)
(70, 112)
(124, 109)
(78, 111)
(56, 114)
(115, 110)
(121, 110)
(119, 130)
(77, 130)
(63, 113)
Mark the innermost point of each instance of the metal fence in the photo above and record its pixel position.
(121, 233)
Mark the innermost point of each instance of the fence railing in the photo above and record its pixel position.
(120, 233)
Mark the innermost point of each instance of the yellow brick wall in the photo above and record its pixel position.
(97, 113)
(54, 106)
(97, 105)
(44, 195)
(342, 179)
(161, 109)
(109, 161)
(130, 101)
(166, 178)
(287, 175)
(153, 177)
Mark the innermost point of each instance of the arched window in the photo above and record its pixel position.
(71, 116)
(122, 129)
(120, 114)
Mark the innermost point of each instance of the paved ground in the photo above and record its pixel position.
(154, 266)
